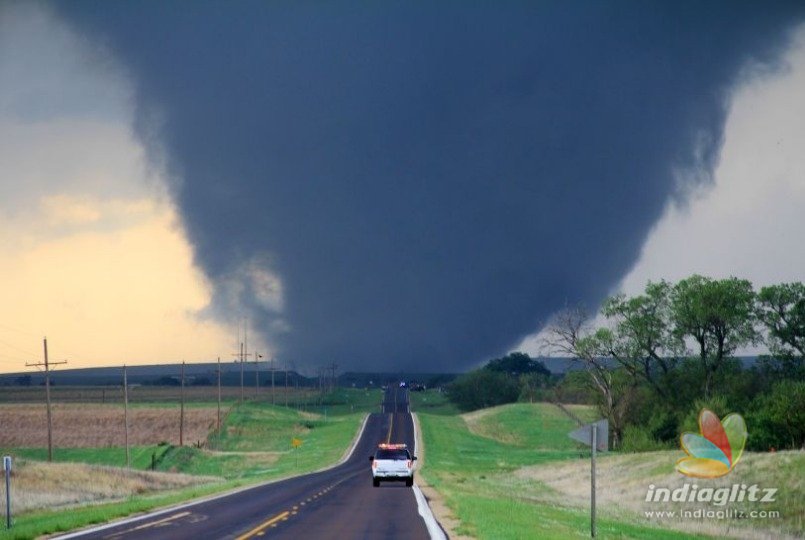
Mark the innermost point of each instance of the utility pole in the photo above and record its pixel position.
(594, 429)
(286, 383)
(241, 360)
(321, 384)
(332, 367)
(257, 358)
(181, 409)
(298, 399)
(126, 415)
(273, 368)
(218, 423)
(47, 365)
(244, 352)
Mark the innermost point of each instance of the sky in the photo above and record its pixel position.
(94, 254)
(406, 187)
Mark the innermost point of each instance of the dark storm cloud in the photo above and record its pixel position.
(428, 182)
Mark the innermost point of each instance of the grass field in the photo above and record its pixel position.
(472, 461)
(624, 481)
(512, 472)
(255, 441)
(432, 402)
(253, 445)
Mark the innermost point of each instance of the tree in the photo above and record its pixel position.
(642, 341)
(483, 388)
(517, 363)
(569, 334)
(778, 417)
(781, 308)
(719, 315)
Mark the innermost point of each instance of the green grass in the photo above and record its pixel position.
(541, 426)
(342, 401)
(503, 517)
(452, 448)
(473, 471)
(113, 456)
(432, 402)
(263, 428)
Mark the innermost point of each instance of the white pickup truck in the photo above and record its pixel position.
(392, 462)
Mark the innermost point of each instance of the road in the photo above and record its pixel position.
(337, 503)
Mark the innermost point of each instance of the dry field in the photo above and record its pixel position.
(97, 425)
(137, 394)
(623, 481)
(37, 485)
(147, 394)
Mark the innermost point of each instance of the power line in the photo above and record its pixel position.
(27, 353)
(13, 329)
(14, 359)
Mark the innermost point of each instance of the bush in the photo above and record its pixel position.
(483, 388)
(640, 439)
(575, 387)
(534, 387)
(664, 426)
(778, 419)
(717, 404)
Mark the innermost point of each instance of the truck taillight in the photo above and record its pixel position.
(410, 463)
(374, 464)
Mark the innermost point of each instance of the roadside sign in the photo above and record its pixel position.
(6, 463)
(585, 435)
(296, 443)
(596, 436)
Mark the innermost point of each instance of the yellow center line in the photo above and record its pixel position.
(391, 426)
(263, 526)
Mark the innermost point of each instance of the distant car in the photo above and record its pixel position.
(392, 462)
(402, 384)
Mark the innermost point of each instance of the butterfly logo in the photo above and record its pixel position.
(715, 452)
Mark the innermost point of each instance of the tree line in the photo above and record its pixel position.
(652, 361)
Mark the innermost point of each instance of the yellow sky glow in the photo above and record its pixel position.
(92, 252)
(108, 282)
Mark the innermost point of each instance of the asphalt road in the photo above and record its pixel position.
(338, 503)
